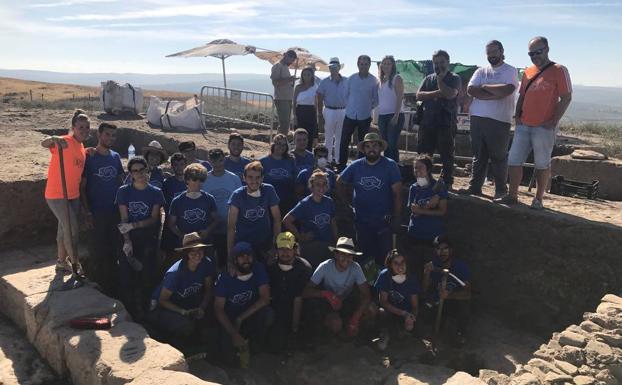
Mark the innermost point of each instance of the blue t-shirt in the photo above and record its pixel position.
(205, 164)
(373, 195)
(425, 227)
(188, 287)
(236, 167)
(458, 268)
(254, 224)
(171, 188)
(280, 173)
(221, 188)
(139, 202)
(240, 295)
(156, 178)
(399, 293)
(102, 181)
(303, 162)
(193, 214)
(304, 175)
(315, 217)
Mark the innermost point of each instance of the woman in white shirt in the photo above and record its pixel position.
(305, 103)
(390, 106)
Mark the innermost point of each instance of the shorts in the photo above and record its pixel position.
(539, 139)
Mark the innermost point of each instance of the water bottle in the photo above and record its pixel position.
(131, 152)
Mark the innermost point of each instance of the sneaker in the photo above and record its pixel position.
(62, 266)
(506, 199)
(469, 191)
(499, 195)
(536, 204)
(383, 341)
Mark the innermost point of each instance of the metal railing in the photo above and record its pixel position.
(224, 107)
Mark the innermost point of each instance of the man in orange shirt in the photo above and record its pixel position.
(544, 96)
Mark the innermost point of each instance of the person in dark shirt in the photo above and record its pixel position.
(288, 278)
(173, 186)
(439, 93)
(279, 170)
(457, 291)
(102, 176)
(241, 304)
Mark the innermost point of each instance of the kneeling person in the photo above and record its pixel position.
(241, 304)
(288, 278)
(340, 290)
(185, 292)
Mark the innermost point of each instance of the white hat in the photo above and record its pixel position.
(345, 245)
(334, 62)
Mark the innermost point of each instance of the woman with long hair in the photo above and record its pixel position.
(390, 106)
(74, 156)
(305, 102)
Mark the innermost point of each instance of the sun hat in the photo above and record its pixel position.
(345, 245)
(155, 146)
(285, 240)
(191, 241)
(334, 62)
(372, 137)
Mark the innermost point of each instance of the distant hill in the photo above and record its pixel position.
(589, 103)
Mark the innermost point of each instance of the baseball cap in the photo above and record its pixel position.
(285, 240)
(241, 248)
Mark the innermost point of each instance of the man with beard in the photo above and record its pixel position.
(439, 93)
(283, 83)
(492, 88)
(457, 291)
(377, 201)
(235, 162)
(241, 304)
(545, 94)
(101, 178)
(362, 96)
(288, 278)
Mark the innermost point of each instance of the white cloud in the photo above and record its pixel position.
(68, 3)
(240, 10)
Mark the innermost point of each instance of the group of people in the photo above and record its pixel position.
(254, 245)
(344, 105)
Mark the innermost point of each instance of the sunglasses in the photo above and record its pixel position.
(139, 171)
(536, 52)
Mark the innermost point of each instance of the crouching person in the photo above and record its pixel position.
(139, 208)
(398, 292)
(185, 293)
(454, 289)
(288, 278)
(339, 292)
(241, 304)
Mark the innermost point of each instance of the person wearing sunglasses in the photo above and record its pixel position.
(545, 94)
(193, 210)
(139, 207)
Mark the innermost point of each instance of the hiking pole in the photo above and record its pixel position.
(76, 279)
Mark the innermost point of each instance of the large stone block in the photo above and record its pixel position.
(118, 356)
(168, 377)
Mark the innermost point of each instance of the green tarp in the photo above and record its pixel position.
(414, 71)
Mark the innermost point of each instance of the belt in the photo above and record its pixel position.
(334, 108)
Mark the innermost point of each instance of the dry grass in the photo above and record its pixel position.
(609, 135)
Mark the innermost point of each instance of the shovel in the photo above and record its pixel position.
(77, 278)
(431, 354)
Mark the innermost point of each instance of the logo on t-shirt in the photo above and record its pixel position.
(370, 183)
(194, 215)
(138, 209)
(242, 298)
(106, 173)
(255, 214)
(191, 290)
(279, 173)
(396, 297)
(321, 220)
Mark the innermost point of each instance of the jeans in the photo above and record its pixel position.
(489, 141)
(442, 137)
(349, 126)
(136, 286)
(102, 262)
(391, 133)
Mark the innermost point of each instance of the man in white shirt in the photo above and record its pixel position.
(492, 88)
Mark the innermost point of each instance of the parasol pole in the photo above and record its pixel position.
(224, 75)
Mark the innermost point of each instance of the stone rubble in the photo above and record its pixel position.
(585, 354)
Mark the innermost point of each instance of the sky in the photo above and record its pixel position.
(135, 36)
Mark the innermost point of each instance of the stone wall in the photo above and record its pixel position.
(586, 354)
(607, 172)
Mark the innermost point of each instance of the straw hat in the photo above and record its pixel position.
(372, 137)
(345, 245)
(191, 241)
(155, 146)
